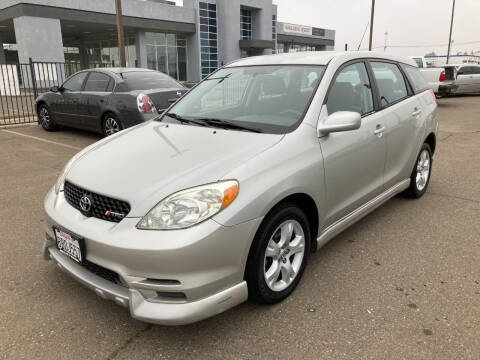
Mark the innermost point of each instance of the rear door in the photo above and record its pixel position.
(94, 99)
(354, 161)
(402, 113)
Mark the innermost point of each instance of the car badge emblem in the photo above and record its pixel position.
(85, 203)
(179, 93)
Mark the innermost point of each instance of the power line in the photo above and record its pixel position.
(429, 45)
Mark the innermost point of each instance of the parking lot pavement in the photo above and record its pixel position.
(402, 283)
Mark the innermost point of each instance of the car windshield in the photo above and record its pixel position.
(270, 99)
(147, 80)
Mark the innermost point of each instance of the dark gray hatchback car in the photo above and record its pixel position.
(107, 100)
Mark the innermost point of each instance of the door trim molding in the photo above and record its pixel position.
(337, 227)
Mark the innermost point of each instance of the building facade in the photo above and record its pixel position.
(187, 42)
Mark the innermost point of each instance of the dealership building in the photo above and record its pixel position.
(187, 42)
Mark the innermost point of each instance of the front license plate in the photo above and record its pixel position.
(70, 245)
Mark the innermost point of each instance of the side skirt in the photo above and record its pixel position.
(340, 225)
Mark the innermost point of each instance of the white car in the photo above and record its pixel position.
(440, 79)
(468, 79)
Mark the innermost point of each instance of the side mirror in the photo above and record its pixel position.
(460, 72)
(55, 89)
(340, 121)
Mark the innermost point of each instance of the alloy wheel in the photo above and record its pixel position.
(423, 170)
(284, 255)
(111, 126)
(44, 117)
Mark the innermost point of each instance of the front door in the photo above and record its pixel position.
(466, 79)
(353, 160)
(66, 107)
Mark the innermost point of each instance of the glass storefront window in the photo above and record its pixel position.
(167, 53)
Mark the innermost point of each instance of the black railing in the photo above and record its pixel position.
(20, 85)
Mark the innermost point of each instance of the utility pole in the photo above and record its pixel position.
(371, 25)
(450, 36)
(120, 37)
(385, 47)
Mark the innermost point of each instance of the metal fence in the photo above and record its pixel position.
(20, 84)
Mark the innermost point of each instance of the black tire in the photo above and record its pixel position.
(107, 122)
(45, 118)
(258, 289)
(415, 191)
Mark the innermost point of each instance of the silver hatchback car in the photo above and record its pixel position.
(223, 197)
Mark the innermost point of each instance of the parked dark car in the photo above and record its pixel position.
(107, 100)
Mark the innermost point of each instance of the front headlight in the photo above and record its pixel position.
(190, 207)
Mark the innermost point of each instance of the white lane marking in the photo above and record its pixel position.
(40, 139)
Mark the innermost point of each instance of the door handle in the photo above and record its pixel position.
(379, 130)
(417, 112)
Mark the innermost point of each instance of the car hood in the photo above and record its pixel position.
(145, 164)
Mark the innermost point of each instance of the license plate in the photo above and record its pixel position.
(70, 245)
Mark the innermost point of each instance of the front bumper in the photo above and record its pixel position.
(158, 313)
(205, 264)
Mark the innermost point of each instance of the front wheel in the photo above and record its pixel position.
(278, 255)
(45, 119)
(420, 177)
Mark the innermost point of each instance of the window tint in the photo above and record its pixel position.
(351, 91)
(390, 82)
(75, 82)
(97, 82)
(476, 70)
(416, 78)
(146, 80)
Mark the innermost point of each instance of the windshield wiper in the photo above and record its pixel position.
(227, 125)
(183, 120)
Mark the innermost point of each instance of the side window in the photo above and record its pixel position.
(351, 91)
(390, 82)
(111, 85)
(75, 82)
(416, 78)
(419, 62)
(97, 82)
(476, 70)
(466, 70)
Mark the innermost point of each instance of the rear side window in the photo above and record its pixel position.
(351, 91)
(97, 82)
(390, 82)
(147, 80)
(416, 78)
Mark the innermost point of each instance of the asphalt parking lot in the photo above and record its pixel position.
(402, 283)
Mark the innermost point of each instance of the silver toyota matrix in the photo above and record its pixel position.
(224, 196)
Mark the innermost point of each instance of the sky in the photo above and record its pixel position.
(415, 27)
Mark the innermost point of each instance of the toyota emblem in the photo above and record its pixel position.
(85, 203)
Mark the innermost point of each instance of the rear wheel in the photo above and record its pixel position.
(278, 255)
(420, 177)
(111, 125)
(45, 118)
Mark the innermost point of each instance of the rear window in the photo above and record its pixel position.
(416, 78)
(147, 80)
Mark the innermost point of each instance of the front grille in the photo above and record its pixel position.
(98, 270)
(102, 207)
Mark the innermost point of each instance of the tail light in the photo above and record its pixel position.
(144, 104)
(442, 76)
